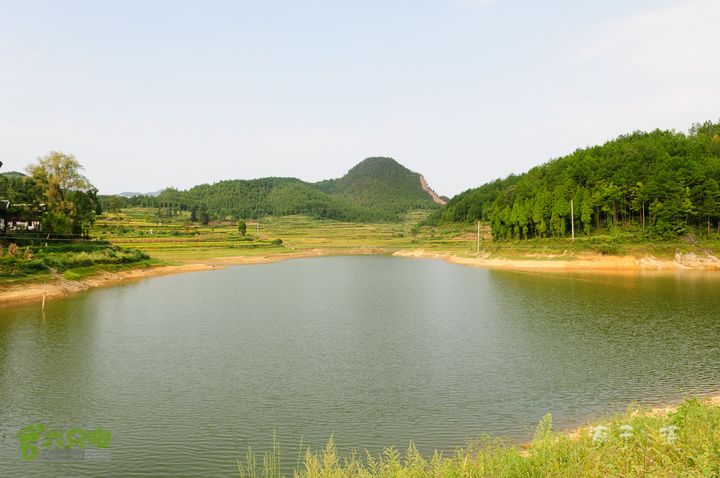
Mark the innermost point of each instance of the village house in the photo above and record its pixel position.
(15, 217)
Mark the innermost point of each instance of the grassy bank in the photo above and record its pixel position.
(73, 261)
(684, 442)
(607, 244)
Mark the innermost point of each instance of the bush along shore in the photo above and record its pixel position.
(681, 441)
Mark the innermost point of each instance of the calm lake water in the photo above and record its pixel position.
(187, 371)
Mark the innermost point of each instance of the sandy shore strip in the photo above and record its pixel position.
(584, 262)
(60, 287)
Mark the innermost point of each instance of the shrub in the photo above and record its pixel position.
(606, 248)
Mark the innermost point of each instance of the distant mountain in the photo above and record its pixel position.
(375, 189)
(133, 194)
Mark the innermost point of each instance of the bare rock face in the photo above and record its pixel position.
(694, 261)
(431, 193)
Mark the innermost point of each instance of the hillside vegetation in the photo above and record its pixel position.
(380, 184)
(657, 184)
(377, 189)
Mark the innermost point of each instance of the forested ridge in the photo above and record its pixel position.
(380, 184)
(659, 183)
(377, 189)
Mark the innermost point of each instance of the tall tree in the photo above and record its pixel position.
(71, 199)
(710, 201)
(59, 174)
(586, 211)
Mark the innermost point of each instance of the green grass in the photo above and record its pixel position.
(80, 273)
(645, 452)
(619, 243)
(25, 279)
(75, 260)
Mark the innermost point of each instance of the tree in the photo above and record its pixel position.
(710, 200)
(71, 200)
(56, 223)
(586, 212)
(560, 209)
(526, 217)
(59, 174)
(242, 227)
(516, 218)
(540, 212)
(204, 216)
(87, 208)
(610, 195)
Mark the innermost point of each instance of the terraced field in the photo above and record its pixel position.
(177, 239)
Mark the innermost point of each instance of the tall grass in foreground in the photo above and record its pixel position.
(684, 443)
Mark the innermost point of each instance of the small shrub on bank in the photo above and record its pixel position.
(11, 266)
(606, 248)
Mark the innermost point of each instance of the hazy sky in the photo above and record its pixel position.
(150, 94)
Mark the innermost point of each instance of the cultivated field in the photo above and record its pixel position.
(177, 239)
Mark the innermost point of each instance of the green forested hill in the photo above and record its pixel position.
(269, 196)
(377, 189)
(661, 183)
(380, 183)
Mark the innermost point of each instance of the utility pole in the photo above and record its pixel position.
(572, 219)
(478, 239)
(257, 228)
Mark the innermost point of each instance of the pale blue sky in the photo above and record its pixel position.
(150, 94)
